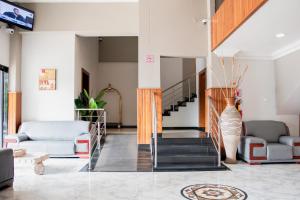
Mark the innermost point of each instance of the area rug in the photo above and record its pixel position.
(213, 192)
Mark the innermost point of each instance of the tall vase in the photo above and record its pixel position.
(231, 127)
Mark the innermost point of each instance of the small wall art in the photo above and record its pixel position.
(47, 79)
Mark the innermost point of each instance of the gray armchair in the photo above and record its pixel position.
(6, 168)
(268, 141)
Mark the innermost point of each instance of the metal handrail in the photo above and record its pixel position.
(216, 138)
(189, 77)
(97, 131)
(172, 94)
(154, 130)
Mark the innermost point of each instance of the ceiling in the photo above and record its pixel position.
(257, 36)
(74, 1)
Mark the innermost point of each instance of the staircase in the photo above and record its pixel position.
(184, 153)
(182, 103)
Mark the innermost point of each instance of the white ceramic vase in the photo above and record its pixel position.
(231, 127)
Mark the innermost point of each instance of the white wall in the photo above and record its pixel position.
(123, 76)
(89, 19)
(4, 49)
(86, 57)
(287, 70)
(170, 71)
(259, 94)
(15, 61)
(169, 28)
(57, 50)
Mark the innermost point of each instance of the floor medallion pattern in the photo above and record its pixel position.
(213, 192)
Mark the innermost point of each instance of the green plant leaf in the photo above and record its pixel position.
(78, 103)
(101, 104)
(93, 104)
(86, 94)
(100, 95)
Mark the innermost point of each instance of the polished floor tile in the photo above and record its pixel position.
(63, 181)
(119, 153)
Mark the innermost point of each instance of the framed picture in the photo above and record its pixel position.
(47, 79)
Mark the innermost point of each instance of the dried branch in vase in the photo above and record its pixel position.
(233, 82)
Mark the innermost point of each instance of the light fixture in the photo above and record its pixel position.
(280, 35)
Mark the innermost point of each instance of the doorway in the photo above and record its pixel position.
(85, 80)
(202, 88)
(3, 102)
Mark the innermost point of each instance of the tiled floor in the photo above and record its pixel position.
(63, 181)
(118, 154)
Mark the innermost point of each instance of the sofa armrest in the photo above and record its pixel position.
(6, 166)
(15, 138)
(290, 140)
(82, 146)
(294, 142)
(253, 148)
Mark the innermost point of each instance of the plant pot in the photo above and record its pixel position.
(231, 127)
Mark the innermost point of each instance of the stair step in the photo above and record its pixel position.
(181, 103)
(173, 108)
(203, 158)
(202, 167)
(185, 141)
(185, 149)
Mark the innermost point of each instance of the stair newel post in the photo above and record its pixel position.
(219, 142)
(189, 84)
(209, 119)
(174, 97)
(98, 134)
(154, 129)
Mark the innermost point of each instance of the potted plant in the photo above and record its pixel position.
(85, 101)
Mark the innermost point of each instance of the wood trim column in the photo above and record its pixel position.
(144, 113)
(14, 111)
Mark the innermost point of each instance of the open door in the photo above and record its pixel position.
(202, 88)
(85, 80)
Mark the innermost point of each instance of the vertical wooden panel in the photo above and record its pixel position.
(231, 15)
(144, 113)
(14, 111)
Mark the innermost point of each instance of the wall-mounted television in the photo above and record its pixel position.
(16, 15)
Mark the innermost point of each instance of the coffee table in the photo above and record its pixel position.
(35, 160)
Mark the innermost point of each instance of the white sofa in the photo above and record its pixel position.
(57, 138)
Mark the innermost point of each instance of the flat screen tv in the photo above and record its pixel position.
(16, 15)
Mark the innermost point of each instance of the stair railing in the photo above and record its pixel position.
(179, 91)
(214, 130)
(97, 129)
(154, 131)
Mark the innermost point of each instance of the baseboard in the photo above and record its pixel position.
(115, 125)
(143, 146)
(7, 183)
(184, 128)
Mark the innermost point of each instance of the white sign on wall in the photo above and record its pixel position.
(149, 59)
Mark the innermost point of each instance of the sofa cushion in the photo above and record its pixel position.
(53, 148)
(268, 130)
(54, 130)
(279, 152)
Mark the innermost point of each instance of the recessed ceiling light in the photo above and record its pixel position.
(280, 35)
